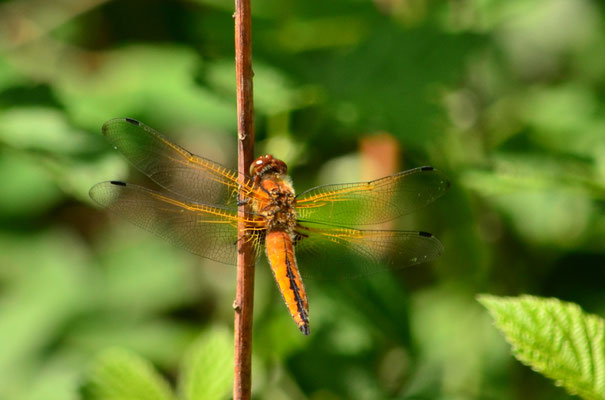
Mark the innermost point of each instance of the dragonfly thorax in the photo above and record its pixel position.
(275, 202)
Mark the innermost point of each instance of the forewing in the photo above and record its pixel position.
(172, 167)
(203, 230)
(328, 252)
(372, 202)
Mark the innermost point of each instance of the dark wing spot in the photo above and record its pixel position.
(427, 168)
(425, 234)
(118, 183)
(132, 121)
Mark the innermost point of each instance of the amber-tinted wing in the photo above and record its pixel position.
(372, 202)
(210, 232)
(330, 252)
(172, 167)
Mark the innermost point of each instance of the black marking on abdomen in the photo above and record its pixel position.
(427, 168)
(425, 234)
(117, 183)
(133, 121)
(299, 302)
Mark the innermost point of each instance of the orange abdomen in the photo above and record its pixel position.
(280, 253)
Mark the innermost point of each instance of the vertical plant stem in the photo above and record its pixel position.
(244, 298)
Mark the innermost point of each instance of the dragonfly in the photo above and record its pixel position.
(321, 227)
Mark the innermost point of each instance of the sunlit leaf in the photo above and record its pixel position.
(556, 339)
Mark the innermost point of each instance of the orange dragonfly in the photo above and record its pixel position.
(198, 211)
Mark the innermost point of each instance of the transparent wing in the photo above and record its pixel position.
(210, 232)
(172, 167)
(372, 202)
(328, 252)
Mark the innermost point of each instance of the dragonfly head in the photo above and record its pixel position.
(267, 164)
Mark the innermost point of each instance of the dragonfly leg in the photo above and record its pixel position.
(299, 236)
(241, 200)
(245, 237)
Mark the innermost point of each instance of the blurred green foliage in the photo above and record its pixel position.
(507, 98)
(207, 373)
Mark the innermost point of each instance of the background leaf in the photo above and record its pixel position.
(119, 374)
(556, 339)
(208, 367)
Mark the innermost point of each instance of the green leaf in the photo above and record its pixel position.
(208, 367)
(118, 374)
(43, 290)
(42, 129)
(141, 79)
(554, 338)
(20, 175)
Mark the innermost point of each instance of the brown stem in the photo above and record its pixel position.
(244, 297)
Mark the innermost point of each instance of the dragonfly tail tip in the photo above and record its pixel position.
(304, 328)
